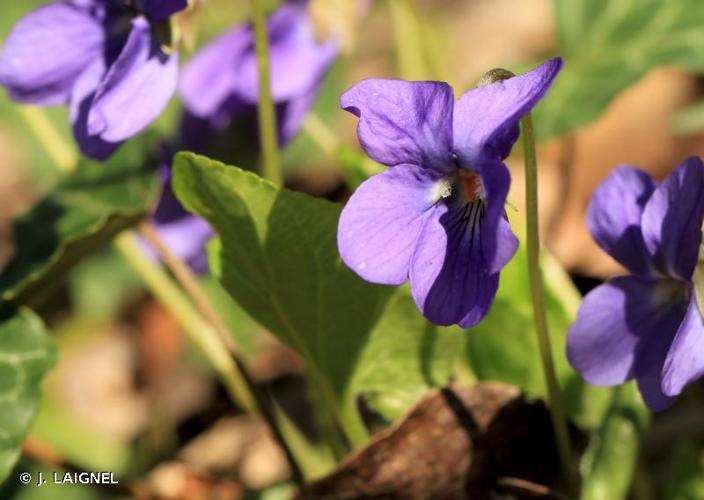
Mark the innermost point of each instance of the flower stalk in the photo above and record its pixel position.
(211, 336)
(63, 155)
(356, 168)
(408, 40)
(271, 163)
(557, 412)
(202, 334)
(204, 326)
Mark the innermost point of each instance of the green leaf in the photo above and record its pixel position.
(278, 259)
(608, 45)
(243, 329)
(404, 356)
(610, 460)
(504, 345)
(26, 353)
(83, 213)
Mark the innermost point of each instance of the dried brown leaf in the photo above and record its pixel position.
(456, 443)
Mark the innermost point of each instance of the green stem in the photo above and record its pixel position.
(200, 332)
(407, 37)
(557, 412)
(189, 283)
(62, 154)
(207, 339)
(153, 276)
(267, 117)
(356, 168)
(327, 416)
(324, 138)
(335, 416)
(355, 429)
(316, 460)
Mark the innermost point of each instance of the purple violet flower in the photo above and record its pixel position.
(221, 82)
(102, 58)
(436, 217)
(646, 325)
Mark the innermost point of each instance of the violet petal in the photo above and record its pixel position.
(404, 122)
(136, 88)
(381, 222)
(187, 237)
(672, 220)
(79, 107)
(649, 385)
(485, 118)
(498, 241)
(685, 359)
(449, 278)
(614, 217)
(210, 78)
(620, 330)
(46, 51)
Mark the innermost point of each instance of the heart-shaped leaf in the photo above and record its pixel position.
(405, 354)
(26, 353)
(277, 257)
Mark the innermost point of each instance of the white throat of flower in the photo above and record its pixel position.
(466, 183)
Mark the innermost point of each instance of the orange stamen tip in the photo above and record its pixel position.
(470, 185)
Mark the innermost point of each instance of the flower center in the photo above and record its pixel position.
(462, 192)
(670, 293)
(466, 185)
(471, 186)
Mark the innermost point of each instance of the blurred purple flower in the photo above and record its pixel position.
(99, 56)
(220, 90)
(646, 325)
(185, 234)
(436, 218)
(221, 82)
